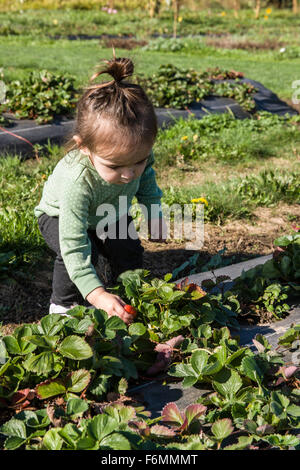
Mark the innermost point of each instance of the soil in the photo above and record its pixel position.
(122, 43)
(26, 299)
(229, 42)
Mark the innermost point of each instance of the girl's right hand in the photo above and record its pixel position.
(111, 303)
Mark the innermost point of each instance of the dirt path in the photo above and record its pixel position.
(28, 301)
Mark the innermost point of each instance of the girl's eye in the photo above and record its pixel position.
(117, 167)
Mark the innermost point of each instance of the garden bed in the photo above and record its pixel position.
(128, 417)
(55, 132)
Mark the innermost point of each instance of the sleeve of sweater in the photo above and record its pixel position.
(74, 242)
(149, 192)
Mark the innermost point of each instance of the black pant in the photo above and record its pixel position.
(122, 254)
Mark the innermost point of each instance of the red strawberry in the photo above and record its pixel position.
(130, 309)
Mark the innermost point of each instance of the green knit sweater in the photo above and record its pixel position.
(74, 192)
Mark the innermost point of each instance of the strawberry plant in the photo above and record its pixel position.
(42, 96)
(57, 374)
(270, 285)
(166, 308)
(244, 407)
(172, 87)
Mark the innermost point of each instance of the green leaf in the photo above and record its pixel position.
(79, 327)
(52, 440)
(13, 443)
(278, 440)
(101, 426)
(46, 342)
(78, 380)
(199, 360)
(76, 406)
(221, 354)
(293, 410)
(182, 370)
(235, 359)
(227, 383)
(14, 428)
(222, 428)
(12, 345)
(251, 369)
(87, 443)
(129, 369)
(213, 366)
(269, 270)
(50, 388)
(20, 334)
(121, 413)
(279, 404)
(51, 324)
(115, 442)
(100, 385)
(189, 381)
(70, 434)
(243, 443)
(115, 323)
(76, 348)
(36, 420)
(41, 364)
(137, 329)
(111, 364)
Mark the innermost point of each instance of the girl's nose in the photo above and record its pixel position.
(127, 173)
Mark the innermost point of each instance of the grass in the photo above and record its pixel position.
(221, 137)
(281, 24)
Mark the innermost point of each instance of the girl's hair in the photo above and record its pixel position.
(114, 114)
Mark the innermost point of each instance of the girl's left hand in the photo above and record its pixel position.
(158, 230)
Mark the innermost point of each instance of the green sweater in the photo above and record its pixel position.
(73, 192)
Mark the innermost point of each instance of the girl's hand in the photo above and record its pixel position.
(112, 304)
(158, 230)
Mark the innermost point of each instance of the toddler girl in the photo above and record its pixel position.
(108, 162)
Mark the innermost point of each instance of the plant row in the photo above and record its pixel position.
(68, 377)
(44, 95)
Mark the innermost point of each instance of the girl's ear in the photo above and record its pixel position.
(78, 142)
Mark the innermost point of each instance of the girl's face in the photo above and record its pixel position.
(122, 167)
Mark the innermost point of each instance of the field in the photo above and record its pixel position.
(247, 171)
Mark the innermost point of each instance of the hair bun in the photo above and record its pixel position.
(118, 68)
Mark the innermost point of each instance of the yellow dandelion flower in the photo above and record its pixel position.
(179, 19)
(55, 21)
(185, 137)
(200, 199)
(268, 11)
(223, 13)
(266, 17)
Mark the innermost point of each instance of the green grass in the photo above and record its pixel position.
(222, 138)
(21, 185)
(281, 24)
(238, 197)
